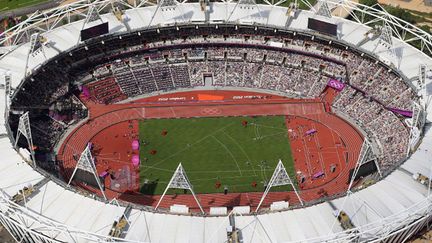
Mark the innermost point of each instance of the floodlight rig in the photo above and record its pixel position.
(324, 10)
(165, 5)
(25, 130)
(86, 163)
(385, 38)
(36, 45)
(280, 177)
(422, 83)
(366, 155)
(92, 16)
(8, 91)
(417, 122)
(179, 180)
(246, 4)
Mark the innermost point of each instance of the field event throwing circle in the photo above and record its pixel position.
(211, 111)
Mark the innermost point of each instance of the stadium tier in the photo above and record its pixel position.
(214, 122)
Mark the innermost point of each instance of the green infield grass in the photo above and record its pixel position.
(215, 152)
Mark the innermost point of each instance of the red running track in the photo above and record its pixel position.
(341, 142)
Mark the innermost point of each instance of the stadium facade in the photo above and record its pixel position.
(37, 207)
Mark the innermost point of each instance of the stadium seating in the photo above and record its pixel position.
(301, 68)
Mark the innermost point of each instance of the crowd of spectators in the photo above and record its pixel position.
(106, 91)
(46, 130)
(234, 66)
(296, 65)
(382, 125)
(380, 82)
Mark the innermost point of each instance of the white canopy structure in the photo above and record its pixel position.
(393, 208)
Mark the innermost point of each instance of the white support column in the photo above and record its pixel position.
(36, 44)
(8, 95)
(248, 4)
(422, 83)
(324, 10)
(86, 163)
(417, 122)
(25, 130)
(179, 180)
(385, 37)
(92, 15)
(164, 5)
(8, 89)
(280, 177)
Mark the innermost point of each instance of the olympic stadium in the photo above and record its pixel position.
(139, 121)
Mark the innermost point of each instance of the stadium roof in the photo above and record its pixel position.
(55, 211)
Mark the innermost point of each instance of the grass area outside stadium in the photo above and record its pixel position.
(6, 5)
(215, 152)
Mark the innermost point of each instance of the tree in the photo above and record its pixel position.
(23, 18)
(10, 22)
(369, 3)
(403, 14)
(425, 28)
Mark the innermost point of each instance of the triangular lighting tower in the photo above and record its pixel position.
(92, 15)
(385, 37)
(179, 180)
(25, 130)
(36, 45)
(366, 155)
(86, 163)
(280, 177)
(168, 3)
(8, 89)
(324, 10)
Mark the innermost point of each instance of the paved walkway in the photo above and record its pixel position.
(416, 5)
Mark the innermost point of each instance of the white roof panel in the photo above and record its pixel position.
(396, 193)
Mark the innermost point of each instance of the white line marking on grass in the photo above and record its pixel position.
(279, 128)
(241, 148)
(221, 171)
(258, 136)
(229, 151)
(190, 145)
(205, 179)
(274, 134)
(158, 168)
